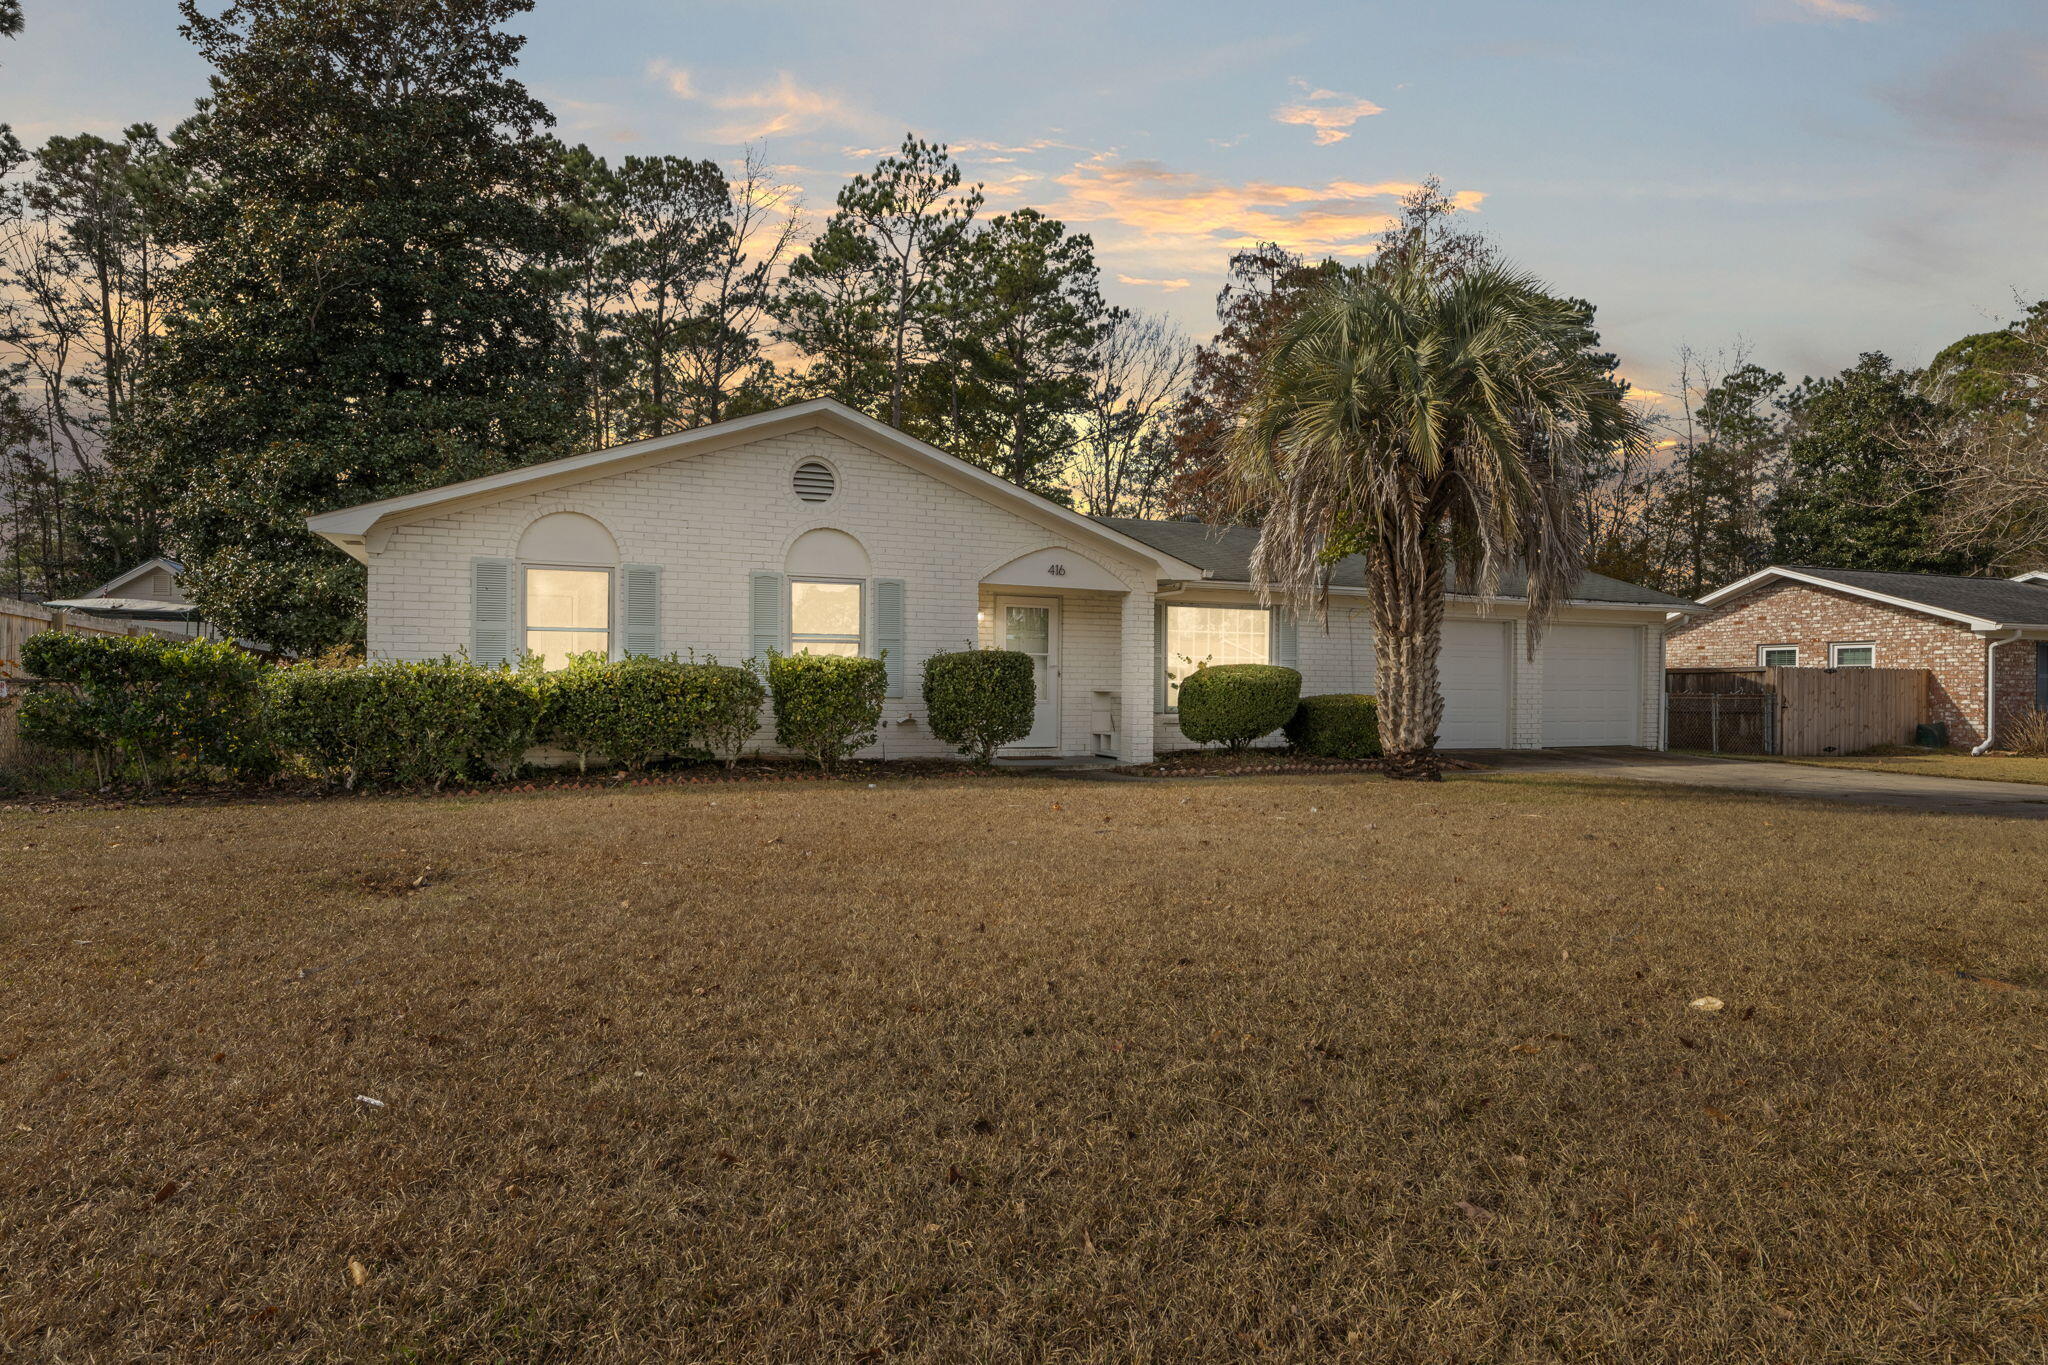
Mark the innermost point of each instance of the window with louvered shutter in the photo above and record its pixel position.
(642, 596)
(890, 632)
(490, 610)
(814, 481)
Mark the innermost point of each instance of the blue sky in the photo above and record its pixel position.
(1808, 178)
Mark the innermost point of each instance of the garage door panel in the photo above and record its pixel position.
(1592, 686)
(1473, 673)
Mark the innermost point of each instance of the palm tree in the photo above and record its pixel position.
(1434, 421)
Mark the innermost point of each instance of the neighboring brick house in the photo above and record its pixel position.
(814, 527)
(1956, 628)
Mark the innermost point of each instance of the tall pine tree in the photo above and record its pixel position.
(363, 309)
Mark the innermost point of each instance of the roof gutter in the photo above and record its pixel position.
(1991, 690)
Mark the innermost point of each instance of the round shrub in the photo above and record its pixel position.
(1336, 725)
(730, 706)
(1234, 704)
(826, 705)
(978, 700)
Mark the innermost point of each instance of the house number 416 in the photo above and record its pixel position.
(1056, 570)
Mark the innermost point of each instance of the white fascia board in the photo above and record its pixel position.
(349, 527)
(865, 430)
(1720, 595)
(360, 519)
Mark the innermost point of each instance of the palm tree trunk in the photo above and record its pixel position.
(1407, 596)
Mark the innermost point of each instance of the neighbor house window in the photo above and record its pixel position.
(568, 611)
(824, 616)
(1852, 656)
(1778, 656)
(1197, 637)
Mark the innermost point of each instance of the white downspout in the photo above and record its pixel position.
(1991, 691)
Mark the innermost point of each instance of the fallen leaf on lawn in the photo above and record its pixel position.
(1525, 1047)
(1707, 1003)
(1719, 1115)
(358, 1274)
(365, 1099)
(170, 1187)
(1472, 1211)
(1991, 983)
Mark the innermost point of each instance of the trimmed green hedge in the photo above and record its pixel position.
(978, 700)
(1234, 704)
(639, 710)
(164, 706)
(1336, 725)
(827, 706)
(441, 721)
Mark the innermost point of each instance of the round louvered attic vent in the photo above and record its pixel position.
(814, 482)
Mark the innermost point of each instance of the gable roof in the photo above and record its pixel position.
(107, 588)
(1980, 603)
(350, 527)
(1225, 554)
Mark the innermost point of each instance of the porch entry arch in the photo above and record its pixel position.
(1054, 569)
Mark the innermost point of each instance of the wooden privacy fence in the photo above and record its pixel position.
(18, 621)
(1793, 711)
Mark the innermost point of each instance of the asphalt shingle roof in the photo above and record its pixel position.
(1226, 552)
(1992, 599)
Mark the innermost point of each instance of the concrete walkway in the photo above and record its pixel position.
(1939, 795)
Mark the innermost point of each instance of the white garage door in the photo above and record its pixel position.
(1474, 670)
(1592, 685)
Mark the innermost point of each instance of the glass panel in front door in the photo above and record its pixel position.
(1028, 630)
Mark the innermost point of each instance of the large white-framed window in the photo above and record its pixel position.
(1852, 656)
(825, 615)
(1777, 656)
(568, 611)
(1199, 635)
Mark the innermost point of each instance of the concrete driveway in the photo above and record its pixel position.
(1939, 795)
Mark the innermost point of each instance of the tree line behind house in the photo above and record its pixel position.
(365, 266)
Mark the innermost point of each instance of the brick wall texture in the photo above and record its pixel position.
(1812, 618)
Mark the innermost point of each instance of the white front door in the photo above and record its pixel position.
(1031, 625)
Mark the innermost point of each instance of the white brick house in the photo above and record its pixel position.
(816, 527)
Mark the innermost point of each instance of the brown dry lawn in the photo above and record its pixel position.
(1317, 1068)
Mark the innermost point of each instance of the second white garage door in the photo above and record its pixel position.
(1474, 673)
(1592, 685)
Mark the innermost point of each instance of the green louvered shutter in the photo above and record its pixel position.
(765, 607)
(642, 610)
(1286, 640)
(490, 610)
(1159, 656)
(889, 632)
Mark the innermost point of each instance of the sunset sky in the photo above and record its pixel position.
(1811, 178)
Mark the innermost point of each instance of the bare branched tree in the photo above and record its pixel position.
(1988, 453)
(1125, 450)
